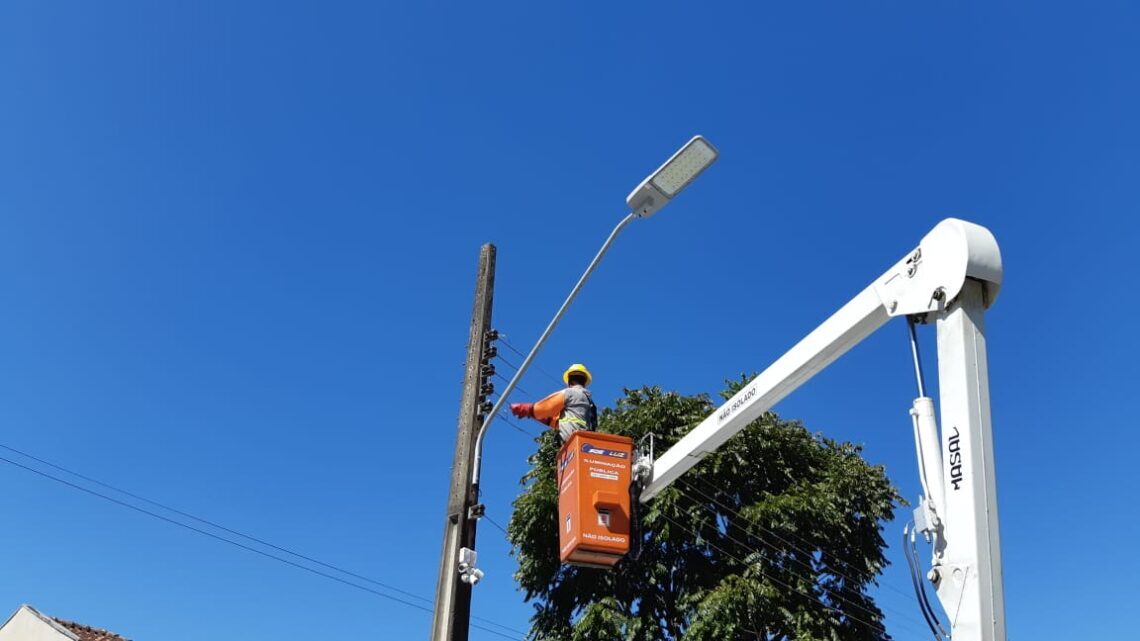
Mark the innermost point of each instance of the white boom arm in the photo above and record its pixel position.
(951, 278)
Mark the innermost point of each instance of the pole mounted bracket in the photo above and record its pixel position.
(476, 511)
(643, 458)
(468, 573)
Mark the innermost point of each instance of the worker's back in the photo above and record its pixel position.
(580, 408)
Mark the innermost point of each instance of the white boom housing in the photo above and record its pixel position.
(951, 279)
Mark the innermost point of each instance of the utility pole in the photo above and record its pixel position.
(452, 613)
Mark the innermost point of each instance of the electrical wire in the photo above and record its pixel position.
(517, 387)
(780, 538)
(493, 522)
(212, 523)
(506, 420)
(900, 614)
(237, 543)
(872, 626)
(504, 341)
(728, 509)
(802, 562)
(508, 363)
(516, 426)
(254, 538)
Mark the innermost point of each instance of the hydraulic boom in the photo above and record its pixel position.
(950, 279)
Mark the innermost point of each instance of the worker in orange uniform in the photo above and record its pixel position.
(567, 410)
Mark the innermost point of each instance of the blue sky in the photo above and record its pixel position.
(238, 241)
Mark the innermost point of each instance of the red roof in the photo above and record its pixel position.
(88, 633)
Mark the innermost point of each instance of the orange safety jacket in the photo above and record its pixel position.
(555, 412)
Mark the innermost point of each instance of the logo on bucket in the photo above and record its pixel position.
(587, 448)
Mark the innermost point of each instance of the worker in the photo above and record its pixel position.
(567, 410)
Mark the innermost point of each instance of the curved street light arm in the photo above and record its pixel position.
(478, 467)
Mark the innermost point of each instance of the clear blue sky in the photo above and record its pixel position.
(238, 241)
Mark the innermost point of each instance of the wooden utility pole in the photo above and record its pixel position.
(452, 615)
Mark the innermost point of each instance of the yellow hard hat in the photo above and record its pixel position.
(579, 369)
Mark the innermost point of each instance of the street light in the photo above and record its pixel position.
(670, 178)
(650, 196)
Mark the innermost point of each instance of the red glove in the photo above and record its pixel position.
(522, 410)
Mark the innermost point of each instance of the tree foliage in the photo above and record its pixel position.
(777, 535)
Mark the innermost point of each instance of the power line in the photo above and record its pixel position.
(780, 538)
(231, 541)
(515, 368)
(516, 426)
(493, 522)
(500, 416)
(802, 562)
(873, 626)
(508, 363)
(504, 341)
(213, 524)
(777, 536)
(504, 419)
(518, 388)
(714, 488)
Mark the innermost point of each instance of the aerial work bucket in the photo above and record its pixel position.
(593, 498)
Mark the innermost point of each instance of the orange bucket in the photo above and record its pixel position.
(594, 474)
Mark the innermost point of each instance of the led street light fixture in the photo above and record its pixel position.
(669, 179)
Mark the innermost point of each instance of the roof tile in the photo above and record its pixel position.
(88, 633)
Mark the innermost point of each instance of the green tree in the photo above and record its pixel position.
(777, 535)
